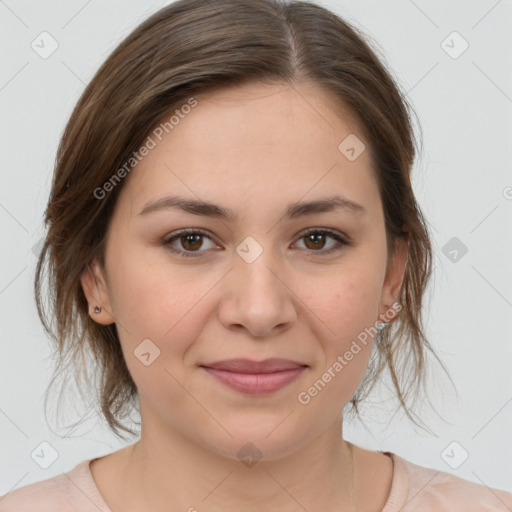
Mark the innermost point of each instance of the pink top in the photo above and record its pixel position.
(413, 489)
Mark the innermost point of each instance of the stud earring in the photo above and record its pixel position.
(382, 325)
(97, 309)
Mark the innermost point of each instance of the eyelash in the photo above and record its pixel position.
(187, 254)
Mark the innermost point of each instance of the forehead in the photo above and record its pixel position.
(255, 144)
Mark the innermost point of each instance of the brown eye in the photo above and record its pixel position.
(190, 242)
(316, 239)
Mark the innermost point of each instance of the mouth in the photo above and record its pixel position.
(255, 377)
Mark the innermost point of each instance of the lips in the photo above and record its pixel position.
(250, 366)
(255, 377)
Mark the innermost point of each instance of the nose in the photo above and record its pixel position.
(257, 297)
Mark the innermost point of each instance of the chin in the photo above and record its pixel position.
(256, 439)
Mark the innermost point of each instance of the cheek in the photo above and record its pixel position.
(347, 306)
(348, 312)
(169, 309)
(348, 302)
(153, 298)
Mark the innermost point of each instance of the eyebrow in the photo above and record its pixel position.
(293, 211)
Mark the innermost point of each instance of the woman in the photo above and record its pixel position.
(233, 235)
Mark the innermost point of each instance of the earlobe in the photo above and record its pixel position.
(96, 291)
(394, 278)
(400, 265)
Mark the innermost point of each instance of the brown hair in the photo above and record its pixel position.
(187, 48)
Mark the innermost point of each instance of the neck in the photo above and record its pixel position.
(161, 470)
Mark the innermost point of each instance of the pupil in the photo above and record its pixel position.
(191, 237)
(316, 238)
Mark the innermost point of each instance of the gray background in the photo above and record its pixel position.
(463, 183)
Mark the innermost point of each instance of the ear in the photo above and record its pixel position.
(95, 289)
(393, 281)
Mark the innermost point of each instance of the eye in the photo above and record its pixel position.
(316, 239)
(191, 240)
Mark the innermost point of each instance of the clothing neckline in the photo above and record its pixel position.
(396, 500)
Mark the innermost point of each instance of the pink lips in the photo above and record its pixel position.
(255, 377)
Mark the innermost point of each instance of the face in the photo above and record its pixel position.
(255, 285)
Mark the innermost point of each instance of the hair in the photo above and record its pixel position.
(185, 49)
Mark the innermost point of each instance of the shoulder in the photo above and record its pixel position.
(64, 492)
(431, 489)
(42, 496)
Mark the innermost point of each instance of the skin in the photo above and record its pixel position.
(253, 149)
